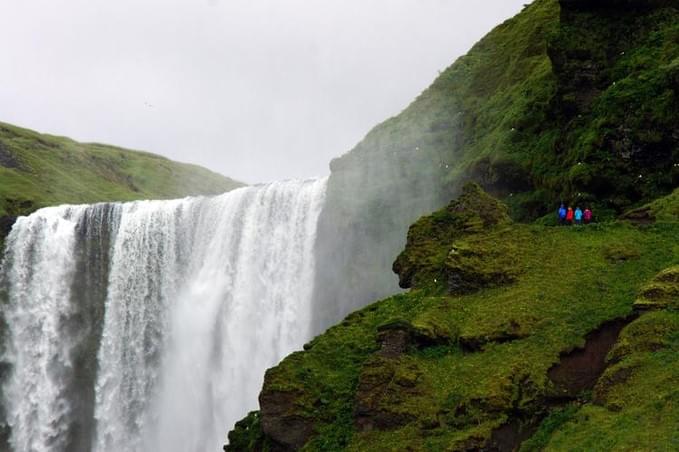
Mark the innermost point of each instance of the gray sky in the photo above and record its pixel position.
(258, 90)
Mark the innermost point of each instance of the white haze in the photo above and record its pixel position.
(255, 89)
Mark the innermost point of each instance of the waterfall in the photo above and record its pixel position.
(148, 325)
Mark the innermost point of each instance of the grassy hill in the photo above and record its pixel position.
(573, 100)
(38, 170)
(514, 333)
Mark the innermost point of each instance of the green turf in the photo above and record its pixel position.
(38, 170)
(568, 281)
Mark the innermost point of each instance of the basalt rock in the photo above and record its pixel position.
(281, 421)
(6, 223)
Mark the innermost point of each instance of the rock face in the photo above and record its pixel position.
(287, 429)
(6, 223)
(605, 86)
(7, 158)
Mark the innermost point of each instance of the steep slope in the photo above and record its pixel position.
(510, 333)
(502, 340)
(37, 170)
(574, 101)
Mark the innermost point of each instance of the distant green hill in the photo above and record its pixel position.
(38, 170)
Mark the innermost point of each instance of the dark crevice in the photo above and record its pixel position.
(579, 370)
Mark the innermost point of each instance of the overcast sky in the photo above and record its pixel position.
(258, 90)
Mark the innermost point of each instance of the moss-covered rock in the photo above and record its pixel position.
(442, 249)
(576, 103)
(662, 292)
(247, 435)
(431, 370)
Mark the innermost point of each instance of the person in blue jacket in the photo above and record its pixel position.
(562, 214)
(578, 215)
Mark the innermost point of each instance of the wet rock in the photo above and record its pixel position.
(6, 223)
(281, 421)
(510, 436)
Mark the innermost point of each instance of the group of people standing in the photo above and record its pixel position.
(577, 216)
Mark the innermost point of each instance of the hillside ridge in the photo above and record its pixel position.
(39, 170)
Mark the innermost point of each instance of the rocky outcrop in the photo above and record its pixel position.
(605, 89)
(662, 292)
(442, 248)
(281, 422)
(384, 385)
(6, 223)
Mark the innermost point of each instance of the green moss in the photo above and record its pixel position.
(662, 292)
(637, 397)
(247, 435)
(620, 252)
(550, 106)
(439, 244)
(553, 422)
(667, 208)
(476, 360)
(41, 170)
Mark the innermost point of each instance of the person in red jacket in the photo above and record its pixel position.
(569, 216)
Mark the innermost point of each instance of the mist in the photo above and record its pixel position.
(256, 90)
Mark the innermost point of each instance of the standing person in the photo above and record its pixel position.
(578, 216)
(561, 214)
(569, 216)
(588, 216)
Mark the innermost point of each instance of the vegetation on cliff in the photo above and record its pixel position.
(576, 101)
(572, 99)
(38, 170)
(513, 334)
(467, 361)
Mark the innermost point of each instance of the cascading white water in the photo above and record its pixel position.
(149, 325)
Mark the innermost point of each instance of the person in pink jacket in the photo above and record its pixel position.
(587, 216)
